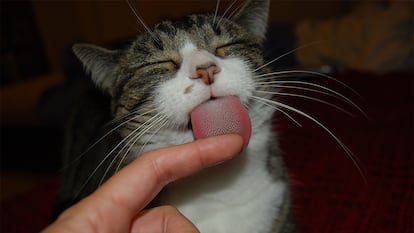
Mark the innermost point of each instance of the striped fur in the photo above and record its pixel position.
(135, 80)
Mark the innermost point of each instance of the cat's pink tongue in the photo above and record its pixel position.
(224, 115)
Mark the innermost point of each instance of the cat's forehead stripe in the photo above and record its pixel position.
(187, 23)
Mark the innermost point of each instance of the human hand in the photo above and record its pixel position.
(117, 205)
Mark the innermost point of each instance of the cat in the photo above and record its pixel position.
(160, 91)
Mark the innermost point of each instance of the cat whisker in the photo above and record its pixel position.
(137, 116)
(162, 125)
(114, 159)
(341, 96)
(141, 21)
(163, 121)
(248, 106)
(104, 136)
(109, 154)
(276, 76)
(216, 12)
(350, 154)
(101, 163)
(265, 84)
(287, 53)
(225, 12)
(137, 137)
(280, 110)
(236, 10)
(131, 142)
(272, 75)
(133, 112)
(308, 97)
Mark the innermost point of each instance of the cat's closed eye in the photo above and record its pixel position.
(169, 65)
(226, 49)
(161, 67)
(201, 75)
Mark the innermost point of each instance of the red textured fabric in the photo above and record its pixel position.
(329, 193)
(29, 212)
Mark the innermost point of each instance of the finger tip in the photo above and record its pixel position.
(233, 142)
(231, 139)
(219, 149)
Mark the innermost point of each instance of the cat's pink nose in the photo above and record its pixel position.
(206, 73)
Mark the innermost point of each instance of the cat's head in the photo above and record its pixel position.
(177, 65)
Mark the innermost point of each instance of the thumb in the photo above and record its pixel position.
(163, 219)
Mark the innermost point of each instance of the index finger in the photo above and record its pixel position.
(130, 190)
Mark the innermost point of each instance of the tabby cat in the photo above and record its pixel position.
(195, 77)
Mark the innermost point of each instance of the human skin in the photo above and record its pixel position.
(117, 206)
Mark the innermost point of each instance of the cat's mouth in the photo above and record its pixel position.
(218, 116)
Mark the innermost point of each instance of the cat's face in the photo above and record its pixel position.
(176, 66)
(169, 71)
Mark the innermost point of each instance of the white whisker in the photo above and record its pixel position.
(162, 125)
(308, 97)
(287, 53)
(129, 144)
(350, 102)
(104, 136)
(216, 12)
(140, 20)
(340, 143)
(109, 154)
(137, 137)
(265, 84)
(225, 12)
(101, 163)
(278, 109)
(236, 10)
(314, 73)
(133, 112)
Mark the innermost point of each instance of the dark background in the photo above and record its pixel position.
(35, 36)
(35, 82)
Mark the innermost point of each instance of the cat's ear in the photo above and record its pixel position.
(100, 62)
(253, 16)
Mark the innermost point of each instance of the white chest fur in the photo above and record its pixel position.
(237, 196)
